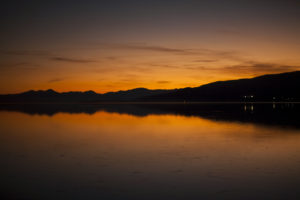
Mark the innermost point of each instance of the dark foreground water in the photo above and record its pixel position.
(144, 151)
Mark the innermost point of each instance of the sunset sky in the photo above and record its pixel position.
(123, 44)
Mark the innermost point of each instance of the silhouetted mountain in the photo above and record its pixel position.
(275, 87)
(131, 95)
(51, 96)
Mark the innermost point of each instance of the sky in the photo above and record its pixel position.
(123, 44)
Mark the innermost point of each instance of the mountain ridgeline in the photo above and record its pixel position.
(275, 87)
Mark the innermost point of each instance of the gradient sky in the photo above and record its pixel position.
(123, 44)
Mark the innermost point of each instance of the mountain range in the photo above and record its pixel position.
(273, 87)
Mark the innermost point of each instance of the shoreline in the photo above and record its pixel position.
(160, 103)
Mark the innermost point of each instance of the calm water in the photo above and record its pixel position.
(169, 151)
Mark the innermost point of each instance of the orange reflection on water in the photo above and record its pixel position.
(153, 150)
(152, 133)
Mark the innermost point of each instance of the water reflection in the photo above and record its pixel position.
(271, 114)
(149, 152)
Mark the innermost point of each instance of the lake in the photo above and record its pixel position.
(150, 151)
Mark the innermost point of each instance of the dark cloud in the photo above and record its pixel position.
(249, 67)
(259, 68)
(156, 48)
(144, 47)
(26, 53)
(72, 60)
(45, 53)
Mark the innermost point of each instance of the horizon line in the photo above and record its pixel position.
(85, 91)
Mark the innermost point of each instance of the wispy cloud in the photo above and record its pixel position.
(19, 65)
(249, 67)
(46, 54)
(261, 68)
(199, 68)
(144, 47)
(171, 50)
(72, 60)
(27, 53)
(164, 66)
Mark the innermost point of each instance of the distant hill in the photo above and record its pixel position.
(275, 87)
(49, 96)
